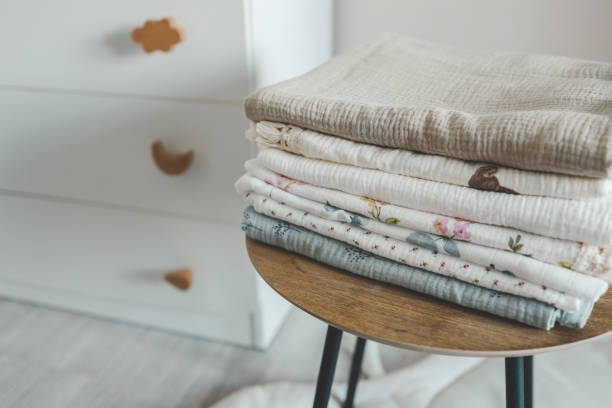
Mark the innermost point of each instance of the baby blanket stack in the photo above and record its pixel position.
(478, 178)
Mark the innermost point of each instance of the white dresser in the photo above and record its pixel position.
(88, 222)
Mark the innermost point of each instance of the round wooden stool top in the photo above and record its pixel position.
(403, 318)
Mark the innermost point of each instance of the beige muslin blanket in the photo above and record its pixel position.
(526, 111)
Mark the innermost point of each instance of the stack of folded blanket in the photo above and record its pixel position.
(478, 178)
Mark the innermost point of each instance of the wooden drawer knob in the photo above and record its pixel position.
(172, 164)
(160, 35)
(181, 279)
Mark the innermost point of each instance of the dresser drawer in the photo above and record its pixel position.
(87, 46)
(99, 149)
(120, 257)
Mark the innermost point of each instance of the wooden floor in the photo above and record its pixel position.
(54, 359)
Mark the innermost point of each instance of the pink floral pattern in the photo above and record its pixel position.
(441, 225)
(460, 230)
(285, 182)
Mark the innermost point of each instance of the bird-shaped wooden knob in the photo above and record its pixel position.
(160, 35)
(172, 164)
(180, 279)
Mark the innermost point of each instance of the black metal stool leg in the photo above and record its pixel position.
(515, 382)
(355, 372)
(528, 372)
(328, 367)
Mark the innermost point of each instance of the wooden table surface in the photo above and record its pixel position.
(403, 318)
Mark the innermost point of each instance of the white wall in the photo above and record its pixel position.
(576, 28)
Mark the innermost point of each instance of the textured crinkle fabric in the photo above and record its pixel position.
(335, 253)
(587, 259)
(526, 111)
(581, 221)
(412, 254)
(521, 266)
(483, 176)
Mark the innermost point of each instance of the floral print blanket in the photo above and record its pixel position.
(586, 259)
(509, 263)
(411, 254)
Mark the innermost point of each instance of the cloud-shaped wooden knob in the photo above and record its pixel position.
(160, 35)
(172, 164)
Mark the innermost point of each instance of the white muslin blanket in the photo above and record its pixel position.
(582, 258)
(532, 112)
(583, 221)
(527, 268)
(481, 176)
(411, 254)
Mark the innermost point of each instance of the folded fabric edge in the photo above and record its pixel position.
(589, 260)
(488, 207)
(255, 104)
(552, 276)
(546, 315)
(275, 134)
(411, 254)
(577, 318)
